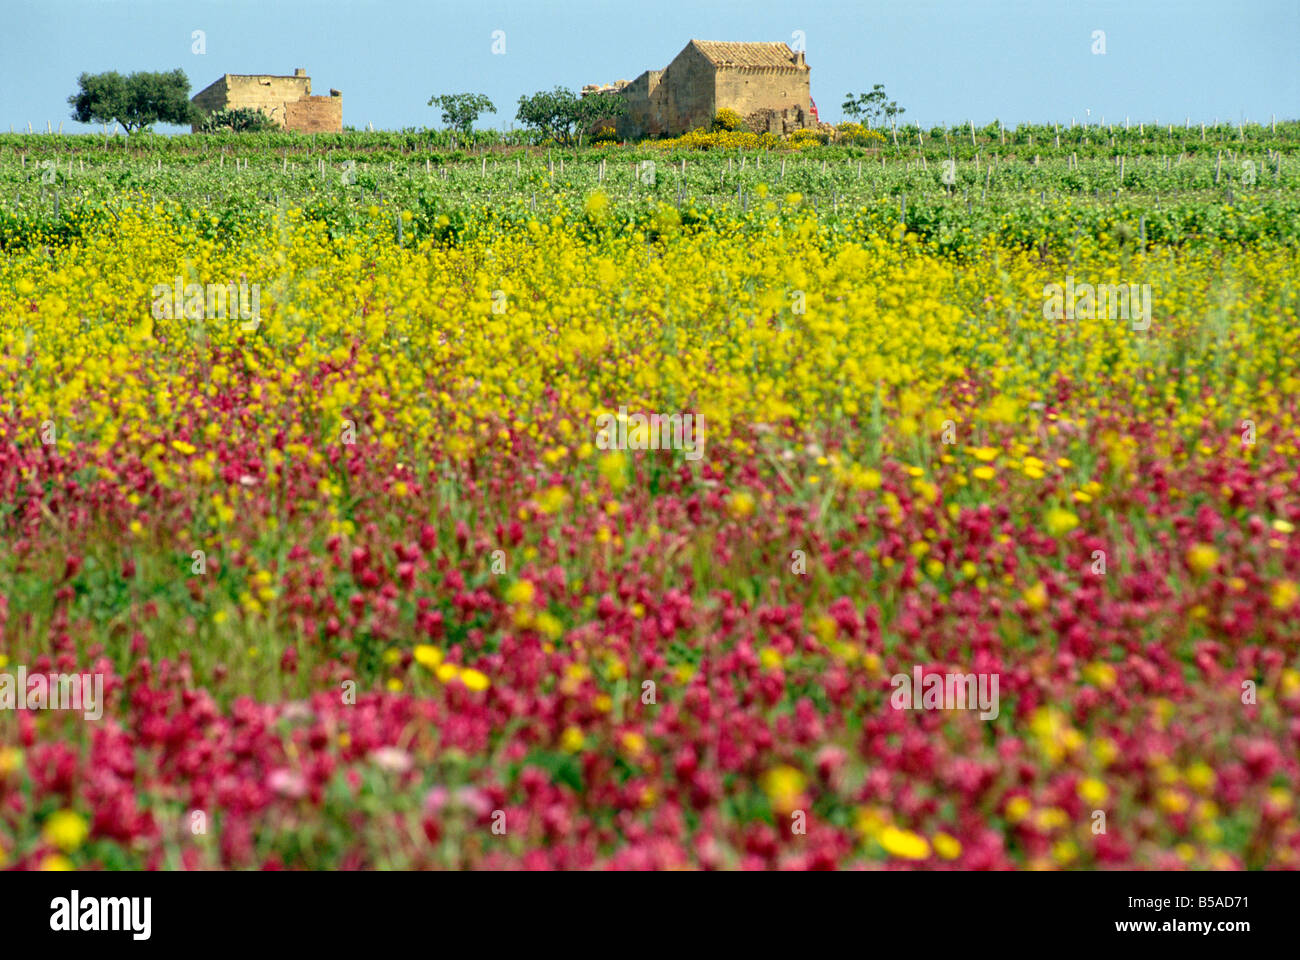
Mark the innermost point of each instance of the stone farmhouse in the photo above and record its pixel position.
(766, 83)
(286, 100)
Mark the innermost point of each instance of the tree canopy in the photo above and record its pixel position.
(873, 106)
(563, 116)
(134, 101)
(460, 110)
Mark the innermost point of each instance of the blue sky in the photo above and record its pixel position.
(944, 60)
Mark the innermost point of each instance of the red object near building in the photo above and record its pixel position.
(812, 108)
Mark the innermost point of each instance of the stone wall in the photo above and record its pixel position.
(769, 98)
(268, 94)
(286, 100)
(688, 93)
(315, 115)
(689, 98)
(645, 115)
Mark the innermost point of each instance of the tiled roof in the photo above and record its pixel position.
(727, 53)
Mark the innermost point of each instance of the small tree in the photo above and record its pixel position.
(872, 106)
(460, 110)
(134, 101)
(563, 116)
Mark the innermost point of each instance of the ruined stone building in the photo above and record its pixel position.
(286, 100)
(766, 83)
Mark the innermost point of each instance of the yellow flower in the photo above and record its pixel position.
(904, 843)
(1035, 597)
(11, 759)
(740, 505)
(428, 656)
(571, 740)
(1283, 595)
(1050, 818)
(1101, 675)
(784, 787)
(1202, 558)
(597, 205)
(1060, 522)
(475, 680)
(947, 846)
(869, 821)
(549, 626)
(1173, 801)
(553, 500)
(57, 861)
(984, 473)
(65, 829)
(1093, 791)
(1018, 808)
(1200, 777)
(521, 593)
(1065, 851)
(613, 469)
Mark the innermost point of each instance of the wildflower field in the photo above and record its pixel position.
(367, 589)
